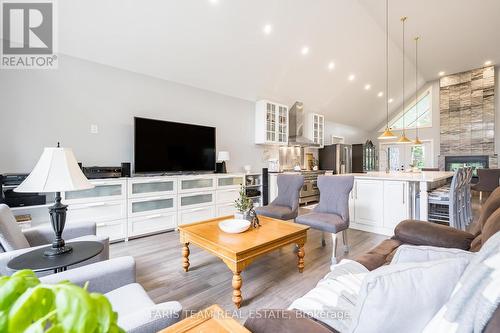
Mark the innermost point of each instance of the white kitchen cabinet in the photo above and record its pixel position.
(396, 206)
(368, 201)
(271, 123)
(315, 128)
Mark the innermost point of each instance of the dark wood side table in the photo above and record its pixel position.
(37, 262)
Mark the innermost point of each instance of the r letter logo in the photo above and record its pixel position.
(28, 35)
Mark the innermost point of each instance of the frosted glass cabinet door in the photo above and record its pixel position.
(151, 205)
(230, 182)
(102, 191)
(196, 200)
(196, 184)
(152, 187)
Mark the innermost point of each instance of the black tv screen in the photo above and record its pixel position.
(164, 146)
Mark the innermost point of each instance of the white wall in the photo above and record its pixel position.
(350, 134)
(39, 108)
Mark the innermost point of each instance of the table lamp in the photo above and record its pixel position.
(56, 171)
(222, 158)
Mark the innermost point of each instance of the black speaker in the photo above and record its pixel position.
(265, 187)
(126, 171)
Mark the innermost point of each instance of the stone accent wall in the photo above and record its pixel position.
(467, 114)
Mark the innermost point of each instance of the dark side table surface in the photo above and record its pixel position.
(38, 262)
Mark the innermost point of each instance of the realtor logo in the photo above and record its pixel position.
(28, 35)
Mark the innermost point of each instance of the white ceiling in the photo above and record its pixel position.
(221, 47)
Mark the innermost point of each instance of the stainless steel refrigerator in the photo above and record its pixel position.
(337, 158)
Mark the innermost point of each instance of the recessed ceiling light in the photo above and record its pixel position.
(380, 94)
(214, 2)
(305, 50)
(368, 86)
(267, 29)
(390, 100)
(487, 63)
(331, 65)
(351, 77)
(441, 73)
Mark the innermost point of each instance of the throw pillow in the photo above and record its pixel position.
(404, 297)
(414, 253)
(11, 236)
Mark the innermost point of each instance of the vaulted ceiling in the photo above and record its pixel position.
(221, 46)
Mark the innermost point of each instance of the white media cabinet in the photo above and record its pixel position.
(124, 208)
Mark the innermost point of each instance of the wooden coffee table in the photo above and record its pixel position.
(239, 250)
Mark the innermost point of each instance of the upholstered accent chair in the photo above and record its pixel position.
(116, 279)
(286, 204)
(332, 213)
(14, 241)
(489, 179)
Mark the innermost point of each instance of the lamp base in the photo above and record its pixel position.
(55, 251)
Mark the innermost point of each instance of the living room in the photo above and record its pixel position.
(263, 166)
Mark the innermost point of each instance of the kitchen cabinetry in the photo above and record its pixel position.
(271, 123)
(315, 128)
(378, 205)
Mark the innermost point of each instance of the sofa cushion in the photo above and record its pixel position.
(275, 211)
(129, 299)
(379, 255)
(414, 253)
(428, 233)
(491, 226)
(333, 298)
(332, 223)
(404, 297)
(476, 296)
(289, 321)
(11, 236)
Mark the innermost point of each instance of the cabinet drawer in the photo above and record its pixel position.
(225, 210)
(196, 215)
(152, 223)
(230, 181)
(153, 205)
(116, 230)
(194, 184)
(226, 196)
(98, 211)
(194, 200)
(155, 186)
(103, 191)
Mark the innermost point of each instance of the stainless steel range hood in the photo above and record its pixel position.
(296, 123)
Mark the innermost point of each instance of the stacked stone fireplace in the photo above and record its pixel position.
(467, 117)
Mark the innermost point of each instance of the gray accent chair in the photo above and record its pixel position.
(286, 204)
(14, 241)
(332, 213)
(116, 279)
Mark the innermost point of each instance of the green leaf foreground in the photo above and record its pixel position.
(28, 306)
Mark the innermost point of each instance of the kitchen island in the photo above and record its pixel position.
(379, 200)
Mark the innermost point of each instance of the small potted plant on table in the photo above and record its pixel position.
(243, 204)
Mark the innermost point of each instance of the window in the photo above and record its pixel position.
(424, 114)
(417, 156)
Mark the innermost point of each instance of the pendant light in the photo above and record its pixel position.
(403, 138)
(417, 140)
(387, 135)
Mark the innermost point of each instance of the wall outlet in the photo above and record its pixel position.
(94, 129)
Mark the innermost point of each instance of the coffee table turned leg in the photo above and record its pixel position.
(237, 282)
(185, 257)
(300, 255)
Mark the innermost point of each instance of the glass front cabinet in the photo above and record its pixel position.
(271, 123)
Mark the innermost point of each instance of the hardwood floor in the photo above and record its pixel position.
(272, 281)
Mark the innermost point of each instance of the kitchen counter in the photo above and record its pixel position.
(425, 176)
(379, 200)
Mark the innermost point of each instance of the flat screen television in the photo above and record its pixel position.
(165, 146)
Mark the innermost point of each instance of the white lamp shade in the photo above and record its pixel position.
(223, 156)
(56, 171)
